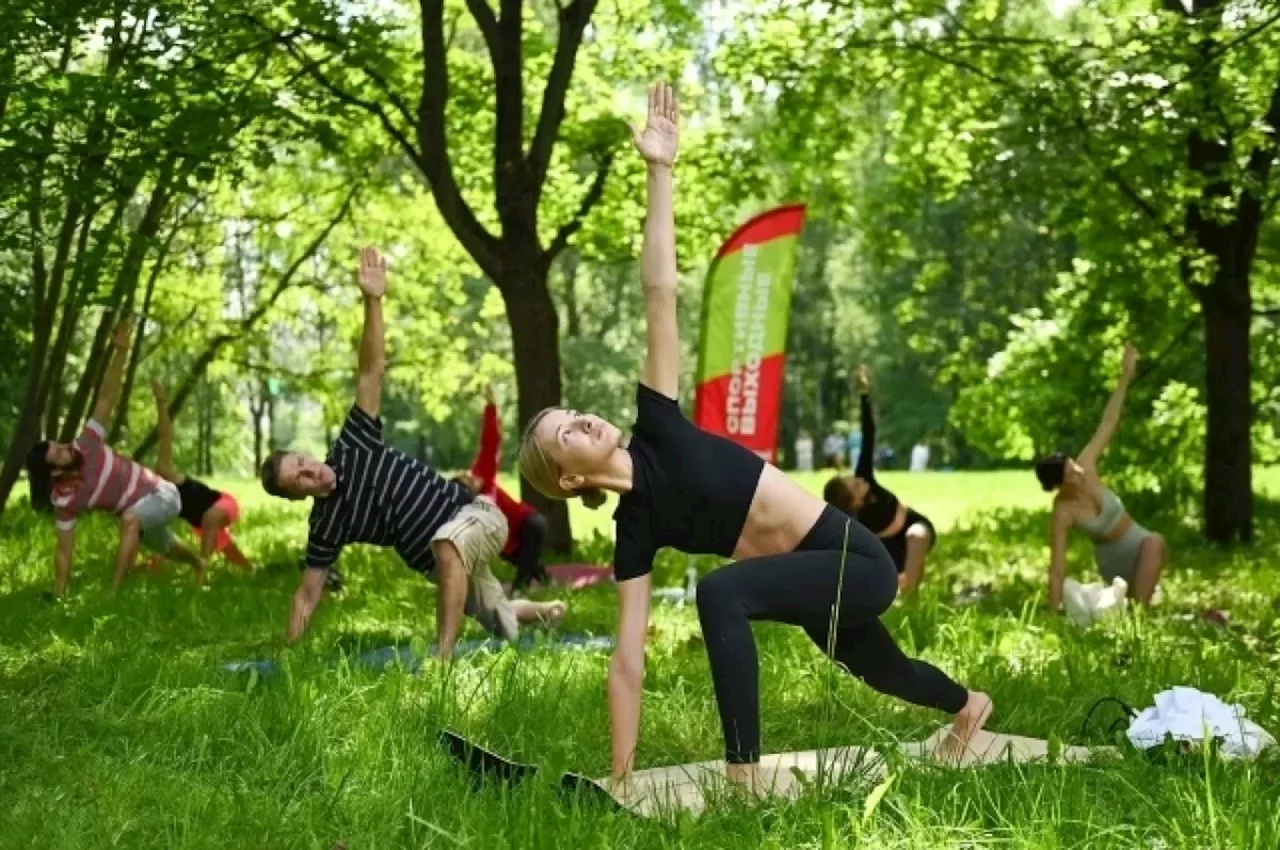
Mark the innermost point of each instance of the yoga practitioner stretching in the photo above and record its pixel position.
(367, 492)
(906, 533)
(1121, 547)
(88, 475)
(699, 493)
(209, 512)
(527, 529)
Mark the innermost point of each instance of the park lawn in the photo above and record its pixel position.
(117, 728)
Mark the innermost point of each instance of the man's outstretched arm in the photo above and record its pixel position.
(110, 386)
(373, 284)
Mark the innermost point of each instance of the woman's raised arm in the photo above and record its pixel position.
(657, 143)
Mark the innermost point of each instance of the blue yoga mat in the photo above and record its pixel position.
(389, 656)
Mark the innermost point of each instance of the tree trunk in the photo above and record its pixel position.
(573, 316)
(206, 428)
(27, 429)
(1228, 471)
(87, 390)
(157, 266)
(535, 342)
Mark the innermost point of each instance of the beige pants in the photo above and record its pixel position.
(479, 531)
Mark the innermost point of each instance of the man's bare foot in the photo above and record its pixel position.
(968, 723)
(553, 612)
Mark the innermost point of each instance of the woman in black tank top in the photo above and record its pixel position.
(685, 488)
(906, 533)
(209, 512)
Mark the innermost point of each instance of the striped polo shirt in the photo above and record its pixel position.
(107, 481)
(382, 497)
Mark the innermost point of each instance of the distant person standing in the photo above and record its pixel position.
(854, 442)
(833, 451)
(919, 457)
(804, 452)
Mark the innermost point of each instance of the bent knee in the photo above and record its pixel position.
(714, 591)
(447, 554)
(214, 519)
(919, 532)
(130, 521)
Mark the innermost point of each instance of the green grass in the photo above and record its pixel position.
(117, 728)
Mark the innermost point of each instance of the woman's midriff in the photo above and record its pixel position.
(781, 514)
(1117, 531)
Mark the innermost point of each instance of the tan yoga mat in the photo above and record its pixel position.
(995, 748)
(694, 787)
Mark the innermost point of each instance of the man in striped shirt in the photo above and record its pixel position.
(367, 492)
(88, 475)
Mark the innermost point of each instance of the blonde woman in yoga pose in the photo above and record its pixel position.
(796, 557)
(1121, 547)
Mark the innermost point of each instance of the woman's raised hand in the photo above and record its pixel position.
(660, 138)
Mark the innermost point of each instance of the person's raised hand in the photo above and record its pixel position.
(489, 396)
(864, 378)
(659, 141)
(372, 273)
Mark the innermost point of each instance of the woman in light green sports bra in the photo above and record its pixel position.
(1122, 547)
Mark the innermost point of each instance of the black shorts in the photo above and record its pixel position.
(897, 544)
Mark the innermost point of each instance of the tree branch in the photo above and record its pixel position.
(516, 202)
(216, 344)
(312, 68)
(1264, 155)
(574, 224)
(379, 79)
(487, 21)
(435, 163)
(573, 21)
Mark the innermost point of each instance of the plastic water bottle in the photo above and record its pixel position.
(690, 583)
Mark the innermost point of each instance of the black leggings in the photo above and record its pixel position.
(800, 588)
(527, 559)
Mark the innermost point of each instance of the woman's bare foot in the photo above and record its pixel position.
(968, 723)
(744, 777)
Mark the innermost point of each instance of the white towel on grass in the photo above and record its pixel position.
(1088, 603)
(1187, 714)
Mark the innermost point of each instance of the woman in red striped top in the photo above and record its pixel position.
(527, 529)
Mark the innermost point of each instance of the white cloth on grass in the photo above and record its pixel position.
(1088, 603)
(1187, 714)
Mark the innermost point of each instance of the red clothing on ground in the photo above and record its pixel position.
(485, 468)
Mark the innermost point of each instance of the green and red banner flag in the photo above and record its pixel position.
(742, 350)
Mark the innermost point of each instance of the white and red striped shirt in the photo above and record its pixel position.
(107, 481)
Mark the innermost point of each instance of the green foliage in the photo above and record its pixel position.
(116, 725)
(1017, 190)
